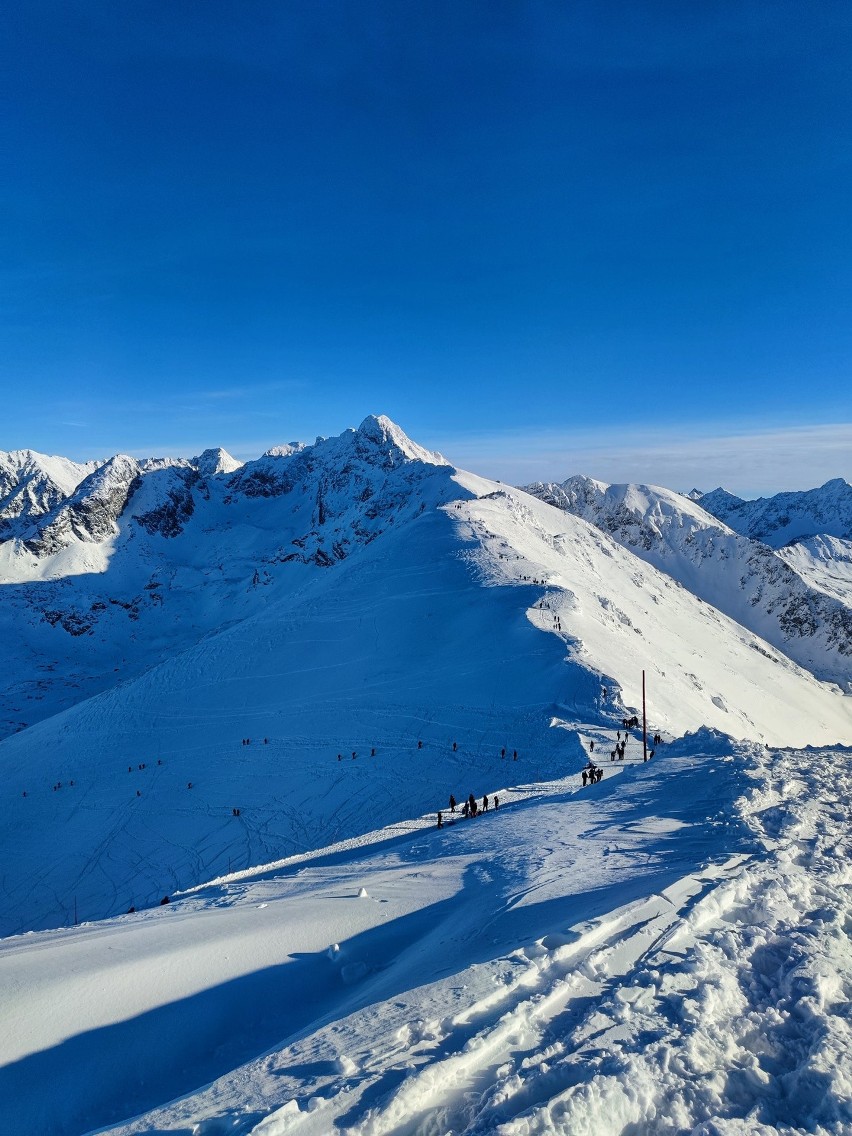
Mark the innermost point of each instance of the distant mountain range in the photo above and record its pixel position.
(776, 596)
(787, 517)
(355, 594)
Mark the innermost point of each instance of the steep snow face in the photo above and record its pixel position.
(787, 517)
(741, 577)
(146, 557)
(31, 484)
(825, 562)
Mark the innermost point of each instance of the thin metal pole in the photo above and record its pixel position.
(644, 723)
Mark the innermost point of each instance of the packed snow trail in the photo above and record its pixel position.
(656, 953)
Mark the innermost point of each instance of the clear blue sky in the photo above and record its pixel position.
(247, 222)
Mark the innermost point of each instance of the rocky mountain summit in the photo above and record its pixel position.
(32, 484)
(786, 517)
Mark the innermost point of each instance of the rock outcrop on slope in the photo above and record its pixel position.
(32, 484)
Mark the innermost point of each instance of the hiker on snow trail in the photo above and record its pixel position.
(496, 802)
(440, 820)
(452, 803)
(585, 778)
(485, 803)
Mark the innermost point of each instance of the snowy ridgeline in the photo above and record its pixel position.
(665, 951)
(272, 675)
(355, 595)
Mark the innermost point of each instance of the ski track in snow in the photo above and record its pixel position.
(666, 952)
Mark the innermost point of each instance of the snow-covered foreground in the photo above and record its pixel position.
(666, 951)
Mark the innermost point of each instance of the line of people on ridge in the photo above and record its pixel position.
(470, 808)
(420, 746)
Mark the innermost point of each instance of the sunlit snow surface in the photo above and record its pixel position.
(666, 951)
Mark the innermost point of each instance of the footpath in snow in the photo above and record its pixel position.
(666, 951)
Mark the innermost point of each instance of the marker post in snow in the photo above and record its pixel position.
(644, 723)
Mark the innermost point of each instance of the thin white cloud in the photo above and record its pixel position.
(252, 390)
(749, 463)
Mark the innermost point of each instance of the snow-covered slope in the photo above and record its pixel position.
(787, 517)
(741, 577)
(438, 608)
(145, 558)
(666, 951)
(825, 562)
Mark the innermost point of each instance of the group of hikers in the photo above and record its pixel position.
(420, 746)
(470, 808)
(592, 773)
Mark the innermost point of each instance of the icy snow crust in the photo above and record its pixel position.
(666, 951)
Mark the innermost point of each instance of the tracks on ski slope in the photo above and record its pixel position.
(479, 1071)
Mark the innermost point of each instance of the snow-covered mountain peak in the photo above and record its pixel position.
(749, 582)
(91, 513)
(382, 432)
(627, 506)
(787, 517)
(214, 461)
(65, 474)
(286, 450)
(32, 484)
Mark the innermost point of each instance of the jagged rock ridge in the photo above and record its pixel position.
(787, 517)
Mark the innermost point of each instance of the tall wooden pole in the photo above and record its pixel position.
(644, 723)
